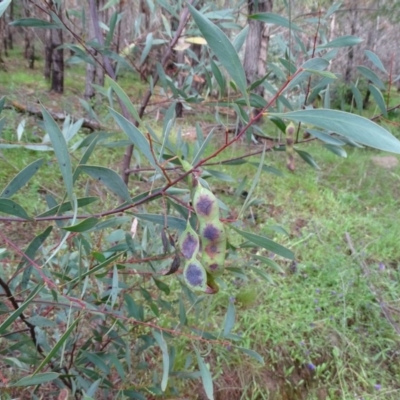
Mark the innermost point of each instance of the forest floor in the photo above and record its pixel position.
(328, 326)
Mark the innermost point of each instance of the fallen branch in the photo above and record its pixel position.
(37, 112)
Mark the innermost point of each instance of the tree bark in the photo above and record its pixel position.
(255, 55)
(94, 73)
(57, 71)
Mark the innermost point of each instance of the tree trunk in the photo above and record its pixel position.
(350, 58)
(94, 73)
(255, 55)
(29, 48)
(48, 55)
(57, 71)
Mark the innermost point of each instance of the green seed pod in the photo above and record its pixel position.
(213, 241)
(205, 203)
(189, 242)
(289, 147)
(195, 275)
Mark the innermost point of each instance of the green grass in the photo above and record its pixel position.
(326, 327)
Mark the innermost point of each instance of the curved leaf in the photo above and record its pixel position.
(33, 380)
(3, 6)
(375, 60)
(377, 95)
(172, 222)
(342, 41)
(109, 178)
(34, 23)
(206, 377)
(136, 137)
(275, 19)
(21, 178)
(164, 349)
(60, 150)
(266, 243)
(371, 76)
(10, 207)
(83, 226)
(223, 49)
(352, 126)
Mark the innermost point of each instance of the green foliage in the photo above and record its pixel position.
(104, 295)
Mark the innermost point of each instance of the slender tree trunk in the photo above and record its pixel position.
(48, 54)
(350, 58)
(57, 72)
(10, 35)
(255, 51)
(94, 73)
(29, 49)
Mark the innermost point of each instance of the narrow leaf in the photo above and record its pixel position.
(206, 377)
(357, 97)
(375, 60)
(339, 151)
(136, 137)
(352, 126)
(307, 158)
(222, 48)
(266, 243)
(33, 23)
(229, 319)
(371, 76)
(147, 48)
(275, 19)
(58, 345)
(159, 219)
(33, 380)
(203, 146)
(124, 98)
(377, 95)
(3, 6)
(20, 309)
(342, 41)
(109, 178)
(60, 150)
(21, 178)
(10, 207)
(83, 226)
(164, 349)
(252, 354)
(63, 207)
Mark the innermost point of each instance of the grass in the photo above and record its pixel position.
(326, 327)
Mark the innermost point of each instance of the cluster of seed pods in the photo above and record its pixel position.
(204, 251)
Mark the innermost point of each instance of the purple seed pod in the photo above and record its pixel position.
(195, 275)
(189, 242)
(205, 204)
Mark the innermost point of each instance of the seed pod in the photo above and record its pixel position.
(289, 147)
(189, 242)
(195, 275)
(205, 203)
(213, 241)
